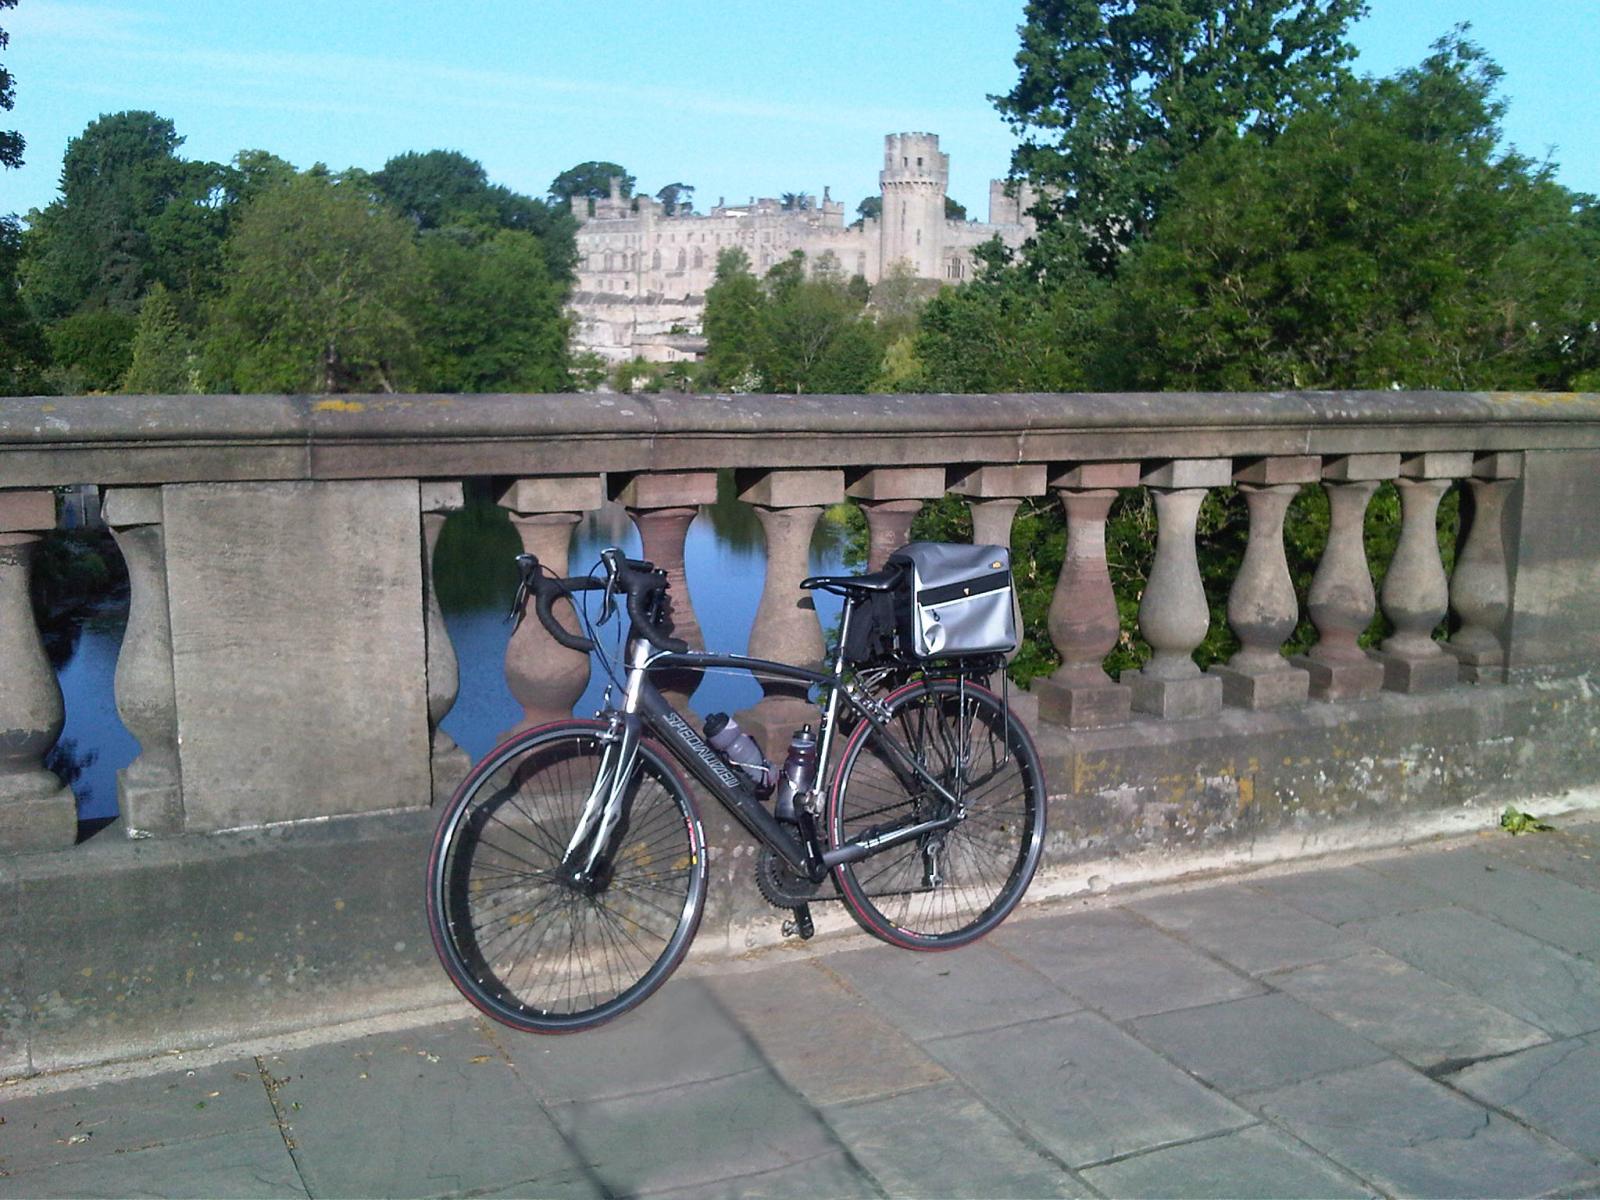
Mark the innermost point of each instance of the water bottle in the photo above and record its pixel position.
(799, 772)
(739, 748)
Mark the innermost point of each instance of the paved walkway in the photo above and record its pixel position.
(1424, 1023)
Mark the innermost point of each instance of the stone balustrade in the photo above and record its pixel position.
(285, 658)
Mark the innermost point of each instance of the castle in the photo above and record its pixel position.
(642, 275)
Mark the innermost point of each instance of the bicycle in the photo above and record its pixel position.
(568, 872)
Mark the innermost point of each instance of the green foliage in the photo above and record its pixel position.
(163, 355)
(677, 199)
(23, 352)
(1515, 821)
(954, 211)
(494, 319)
(590, 179)
(91, 349)
(1113, 94)
(11, 142)
(870, 209)
(1377, 242)
(637, 375)
(732, 324)
(321, 287)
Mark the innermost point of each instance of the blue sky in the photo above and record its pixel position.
(734, 98)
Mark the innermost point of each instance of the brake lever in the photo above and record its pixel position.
(608, 603)
(527, 565)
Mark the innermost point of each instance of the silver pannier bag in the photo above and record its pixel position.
(955, 600)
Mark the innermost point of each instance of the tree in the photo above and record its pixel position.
(494, 319)
(163, 360)
(732, 324)
(90, 350)
(1113, 94)
(591, 179)
(11, 142)
(23, 353)
(794, 201)
(815, 336)
(954, 211)
(130, 211)
(677, 199)
(1381, 241)
(437, 188)
(321, 285)
(870, 209)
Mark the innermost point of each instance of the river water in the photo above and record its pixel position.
(724, 556)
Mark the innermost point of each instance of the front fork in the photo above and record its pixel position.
(604, 805)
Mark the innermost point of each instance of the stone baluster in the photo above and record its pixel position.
(1262, 608)
(1342, 600)
(994, 493)
(1415, 594)
(1173, 616)
(545, 677)
(149, 789)
(1480, 586)
(1084, 623)
(892, 497)
(448, 762)
(36, 811)
(785, 628)
(663, 506)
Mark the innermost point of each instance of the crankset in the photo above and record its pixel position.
(781, 885)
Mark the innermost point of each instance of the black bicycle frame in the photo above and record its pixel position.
(805, 854)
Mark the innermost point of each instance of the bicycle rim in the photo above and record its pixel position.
(942, 890)
(519, 941)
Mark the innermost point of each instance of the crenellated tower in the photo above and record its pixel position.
(914, 179)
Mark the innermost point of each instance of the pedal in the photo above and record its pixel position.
(801, 924)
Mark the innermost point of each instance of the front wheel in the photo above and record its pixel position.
(531, 932)
(947, 888)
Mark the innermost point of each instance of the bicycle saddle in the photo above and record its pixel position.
(877, 581)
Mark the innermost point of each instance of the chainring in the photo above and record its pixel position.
(781, 886)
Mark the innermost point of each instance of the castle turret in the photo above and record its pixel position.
(914, 179)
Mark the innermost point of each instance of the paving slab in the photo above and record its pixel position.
(1259, 1042)
(696, 1134)
(680, 1035)
(1391, 1003)
(247, 1163)
(944, 1141)
(1085, 1090)
(1241, 927)
(422, 1113)
(75, 1126)
(1570, 853)
(1411, 1136)
(935, 995)
(835, 1176)
(1554, 1088)
(828, 1043)
(1340, 894)
(1115, 962)
(14, 1024)
(1252, 1163)
(1527, 978)
(1539, 905)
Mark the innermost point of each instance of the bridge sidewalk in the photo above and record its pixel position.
(1423, 1022)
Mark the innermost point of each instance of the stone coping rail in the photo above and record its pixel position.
(51, 441)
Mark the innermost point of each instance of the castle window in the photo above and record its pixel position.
(919, 160)
(655, 261)
(699, 258)
(683, 259)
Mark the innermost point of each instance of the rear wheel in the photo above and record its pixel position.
(524, 930)
(947, 888)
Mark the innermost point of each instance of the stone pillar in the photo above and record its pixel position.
(1084, 624)
(149, 789)
(1480, 587)
(1262, 608)
(36, 811)
(1342, 600)
(994, 493)
(892, 497)
(1415, 592)
(788, 504)
(545, 677)
(1173, 616)
(663, 506)
(447, 761)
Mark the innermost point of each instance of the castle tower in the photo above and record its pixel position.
(914, 178)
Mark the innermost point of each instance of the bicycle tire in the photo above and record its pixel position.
(983, 865)
(530, 950)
